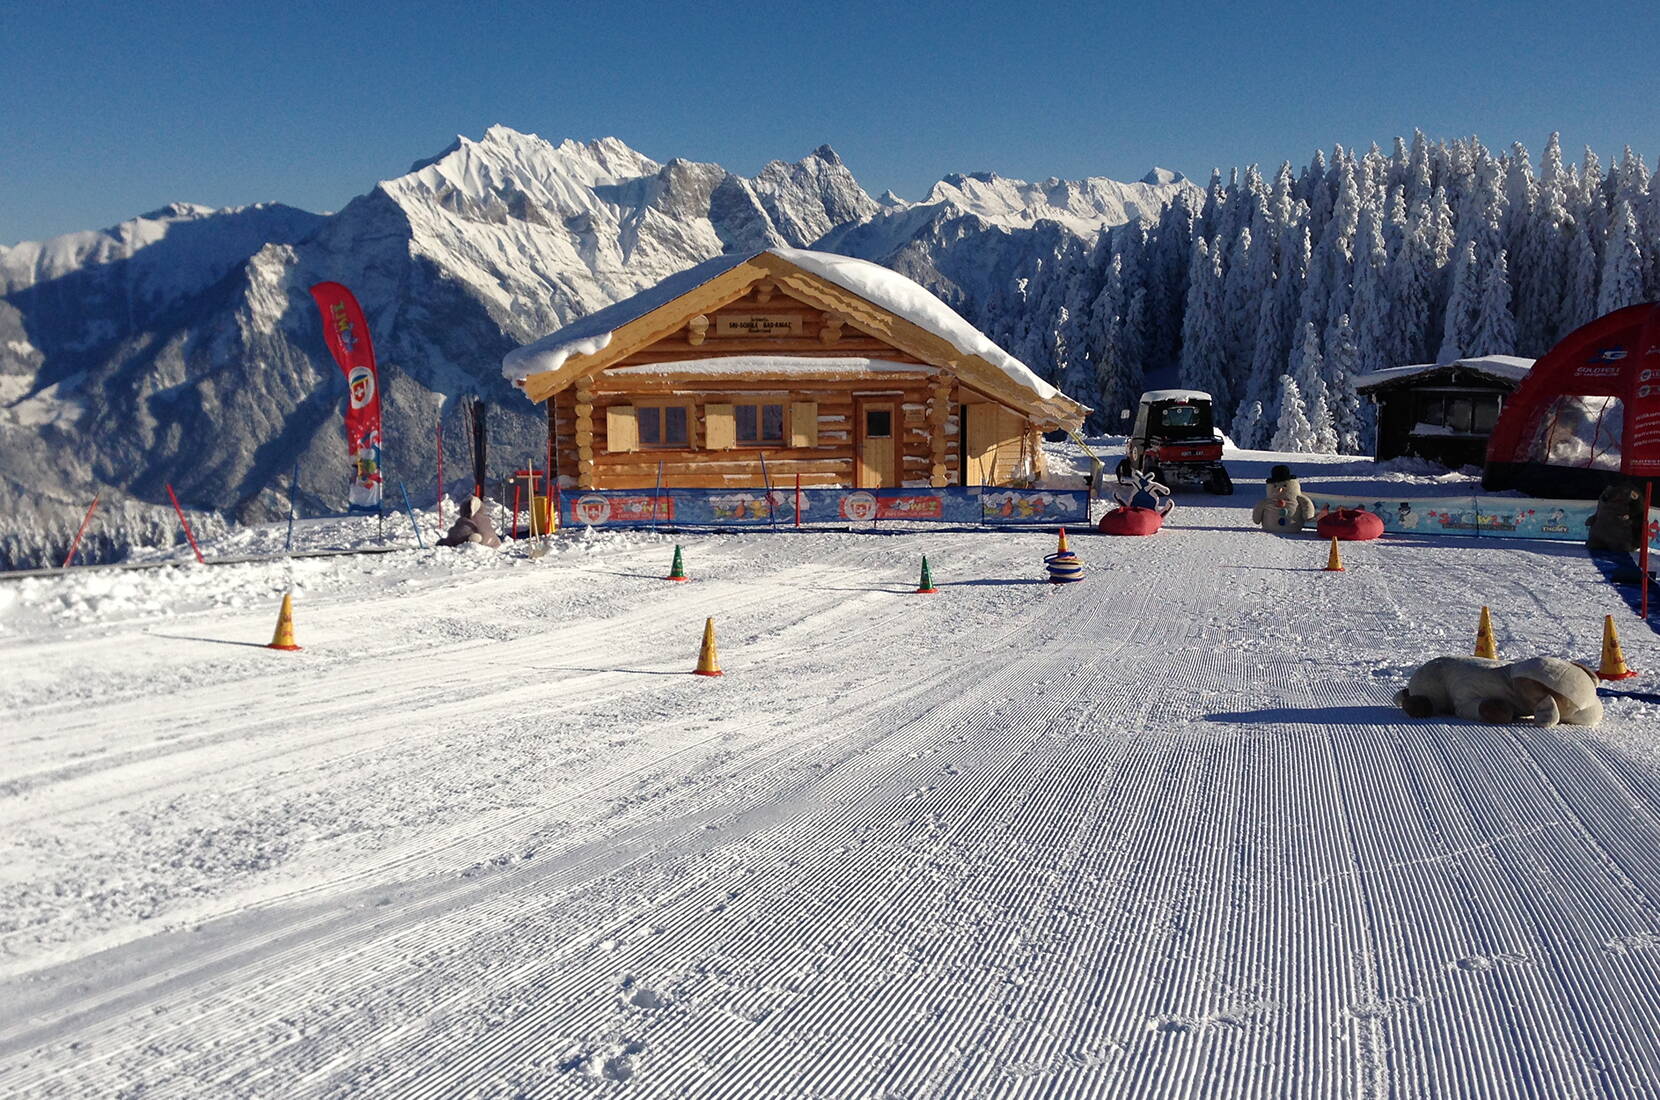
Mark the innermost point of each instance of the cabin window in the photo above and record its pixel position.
(759, 424)
(1438, 412)
(663, 425)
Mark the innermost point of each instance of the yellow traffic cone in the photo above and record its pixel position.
(1062, 548)
(707, 665)
(284, 637)
(1334, 563)
(1613, 661)
(1485, 646)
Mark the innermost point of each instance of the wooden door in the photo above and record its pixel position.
(982, 433)
(876, 444)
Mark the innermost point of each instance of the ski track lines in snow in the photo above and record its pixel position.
(1160, 834)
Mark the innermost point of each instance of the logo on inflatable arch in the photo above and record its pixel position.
(1608, 355)
(590, 509)
(361, 384)
(860, 507)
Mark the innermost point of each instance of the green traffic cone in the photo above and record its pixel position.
(926, 586)
(677, 571)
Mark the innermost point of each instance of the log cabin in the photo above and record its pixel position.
(786, 362)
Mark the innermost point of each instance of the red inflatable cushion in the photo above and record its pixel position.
(1131, 521)
(1349, 525)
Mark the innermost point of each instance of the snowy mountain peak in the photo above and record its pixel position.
(1083, 206)
(1163, 177)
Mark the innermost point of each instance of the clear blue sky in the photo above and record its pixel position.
(110, 110)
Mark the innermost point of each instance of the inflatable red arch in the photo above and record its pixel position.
(1587, 413)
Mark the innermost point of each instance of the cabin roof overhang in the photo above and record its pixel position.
(584, 353)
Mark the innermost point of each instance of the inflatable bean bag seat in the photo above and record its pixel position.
(1131, 521)
(1349, 525)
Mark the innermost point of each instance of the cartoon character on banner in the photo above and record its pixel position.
(1406, 517)
(1555, 522)
(365, 493)
(1141, 491)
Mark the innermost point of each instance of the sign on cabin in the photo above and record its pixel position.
(758, 324)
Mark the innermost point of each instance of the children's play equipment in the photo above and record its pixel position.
(1142, 505)
(925, 586)
(1587, 413)
(1613, 661)
(1349, 525)
(677, 569)
(1175, 440)
(1485, 646)
(1334, 560)
(1063, 565)
(284, 637)
(707, 664)
(1284, 510)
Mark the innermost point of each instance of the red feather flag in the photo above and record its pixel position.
(347, 335)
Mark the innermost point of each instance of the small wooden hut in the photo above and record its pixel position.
(834, 369)
(1443, 412)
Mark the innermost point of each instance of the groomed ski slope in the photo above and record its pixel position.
(1160, 834)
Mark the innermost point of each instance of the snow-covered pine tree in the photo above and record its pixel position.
(1579, 302)
(1463, 307)
(1204, 345)
(1651, 237)
(1292, 432)
(1622, 264)
(1538, 272)
(1375, 338)
(1412, 278)
(1495, 330)
(1248, 426)
(1353, 430)
(1310, 375)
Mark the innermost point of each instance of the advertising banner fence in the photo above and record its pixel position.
(842, 507)
(1482, 517)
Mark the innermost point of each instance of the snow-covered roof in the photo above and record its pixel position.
(888, 290)
(1175, 395)
(792, 365)
(1510, 368)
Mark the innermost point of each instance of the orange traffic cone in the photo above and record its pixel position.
(284, 637)
(707, 665)
(1334, 563)
(1062, 548)
(1613, 661)
(1485, 647)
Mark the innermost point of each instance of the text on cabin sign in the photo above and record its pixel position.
(758, 324)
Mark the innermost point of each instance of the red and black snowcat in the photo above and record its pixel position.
(1175, 439)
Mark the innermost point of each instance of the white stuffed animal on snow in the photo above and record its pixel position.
(1546, 689)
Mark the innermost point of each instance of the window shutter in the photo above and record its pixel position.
(720, 428)
(622, 429)
(804, 424)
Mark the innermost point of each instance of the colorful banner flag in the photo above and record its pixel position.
(347, 335)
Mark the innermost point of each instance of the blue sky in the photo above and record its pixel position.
(107, 111)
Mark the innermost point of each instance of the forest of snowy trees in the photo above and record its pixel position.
(1273, 294)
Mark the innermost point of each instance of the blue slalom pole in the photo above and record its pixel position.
(293, 503)
(410, 508)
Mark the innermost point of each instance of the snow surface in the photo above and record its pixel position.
(767, 364)
(875, 284)
(1160, 834)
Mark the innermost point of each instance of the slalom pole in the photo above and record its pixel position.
(798, 501)
(766, 482)
(655, 493)
(410, 508)
(439, 420)
(86, 519)
(186, 524)
(1648, 501)
(293, 503)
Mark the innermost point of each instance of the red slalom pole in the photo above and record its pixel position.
(86, 519)
(186, 523)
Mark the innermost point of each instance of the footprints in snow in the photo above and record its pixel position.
(619, 1059)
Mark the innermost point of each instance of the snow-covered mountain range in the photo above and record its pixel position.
(182, 346)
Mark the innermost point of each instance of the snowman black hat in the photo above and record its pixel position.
(1280, 473)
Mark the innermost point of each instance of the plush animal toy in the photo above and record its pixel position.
(1546, 689)
(1285, 509)
(1618, 522)
(473, 525)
